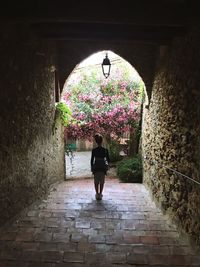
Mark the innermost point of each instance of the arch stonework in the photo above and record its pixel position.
(141, 57)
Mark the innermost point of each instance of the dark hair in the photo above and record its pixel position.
(98, 139)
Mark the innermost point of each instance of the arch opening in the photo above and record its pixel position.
(93, 94)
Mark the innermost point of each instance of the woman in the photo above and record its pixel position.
(99, 165)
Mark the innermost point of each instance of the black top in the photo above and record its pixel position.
(99, 153)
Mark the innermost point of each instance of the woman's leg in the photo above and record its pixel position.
(99, 179)
(102, 181)
(96, 186)
(101, 187)
(97, 189)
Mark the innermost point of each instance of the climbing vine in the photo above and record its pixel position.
(65, 113)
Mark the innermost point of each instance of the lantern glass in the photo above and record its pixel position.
(106, 66)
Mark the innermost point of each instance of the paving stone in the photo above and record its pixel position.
(43, 236)
(193, 260)
(82, 224)
(149, 240)
(36, 264)
(165, 240)
(114, 239)
(137, 259)
(62, 264)
(58, 214)
(98, 223)
(115, 257)
(25, 235)
(29, 245)
(67, 246)
(141, 249)
(129, 238)
(91, 231)
(95, 257)
(86, 247)
(129, 224)
(113, 224)
(98, 214)
(52, 222)
(47, 246)
(30, 222)
(67, 223)
(74, 257)
(33, 256)
(33, 213)
(78, 237)
(160, 250)
(10, 254)
(52, 256)
(61, 237)
(123, 248)
(8, 236)
(104, 247)
(180, 250)
(113, 215)
(71, 229)
(97, 239)
(24, 264)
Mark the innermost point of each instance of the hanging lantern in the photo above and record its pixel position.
(106, 66)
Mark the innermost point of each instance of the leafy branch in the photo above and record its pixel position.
(64, 112)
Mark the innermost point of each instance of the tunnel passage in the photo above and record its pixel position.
(170, 131)
(32, 145)
(31, 151)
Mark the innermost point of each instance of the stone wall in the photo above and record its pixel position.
(31, 138)
(171, 130)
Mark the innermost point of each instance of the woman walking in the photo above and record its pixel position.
(99, 165)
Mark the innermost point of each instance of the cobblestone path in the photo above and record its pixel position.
(70, 228)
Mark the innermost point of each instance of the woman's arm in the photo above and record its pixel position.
(92, 159)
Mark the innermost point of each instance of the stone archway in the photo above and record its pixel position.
(142, 57)
(94, 62)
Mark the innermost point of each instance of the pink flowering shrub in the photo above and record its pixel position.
(110, 106)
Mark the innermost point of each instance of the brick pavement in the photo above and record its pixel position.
(70, 228)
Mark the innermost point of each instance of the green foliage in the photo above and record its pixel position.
(129, 170)
(70, 148)
(64, 112)
(114, 149)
